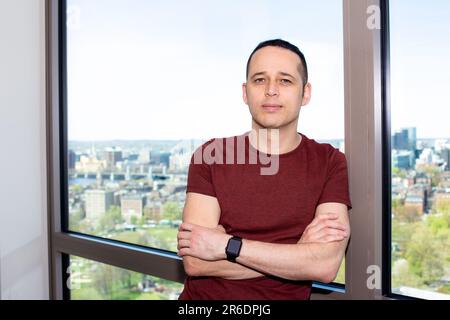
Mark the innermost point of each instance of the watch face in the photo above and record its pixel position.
(234, 246)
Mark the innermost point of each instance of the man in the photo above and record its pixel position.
(246, 235)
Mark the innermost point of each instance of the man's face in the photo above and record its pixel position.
(274, 88)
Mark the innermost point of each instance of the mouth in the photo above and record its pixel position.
(269, 107)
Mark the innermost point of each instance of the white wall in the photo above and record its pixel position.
(23, 229)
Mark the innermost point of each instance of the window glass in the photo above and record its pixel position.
(148, 83)
(420, 148)
(90, 280)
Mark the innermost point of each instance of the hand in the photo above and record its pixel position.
(201, 242)
(323, 229)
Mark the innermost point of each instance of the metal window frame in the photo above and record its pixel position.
(366, 126)
(363, 140)
(62, 244)
(386, 147)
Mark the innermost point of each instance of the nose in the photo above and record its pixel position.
(271, 90)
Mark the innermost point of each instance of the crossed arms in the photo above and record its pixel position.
(316, 256)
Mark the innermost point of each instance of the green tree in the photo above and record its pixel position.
(439, 226)
(395, 171)
(407, 214)
(439, 223)
(401, 236)
(434, 172)
(76, 188)
(75, 218)
(402, 276)
(126, 279)
(110, 219)
(425, 257)
(171, 211)
(396, 203)
(103, 279)
(442, 206)
(134, 220)
(400, 173)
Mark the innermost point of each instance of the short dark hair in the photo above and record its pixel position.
(286, 45)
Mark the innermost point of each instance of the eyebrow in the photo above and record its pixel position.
(287, 75)
(264, 73)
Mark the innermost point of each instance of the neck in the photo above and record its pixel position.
(276, 140)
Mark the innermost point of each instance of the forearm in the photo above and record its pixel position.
(220, 268)
(301, 261)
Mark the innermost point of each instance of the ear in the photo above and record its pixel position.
(306, 94)
(244, 92)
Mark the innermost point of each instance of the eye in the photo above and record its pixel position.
(286, 81)
(258, 80)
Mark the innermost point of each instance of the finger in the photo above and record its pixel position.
(184, 252)
(330, 232)
(183, 244)
(327, 224)
(334, 238)
(335, 225)
(331, 238)
(186, 226)
(316, 229)
(335, 232)
(320, 236)
(184, 235)
(323, 217)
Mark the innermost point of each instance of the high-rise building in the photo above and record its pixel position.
(71, 159)
(445, 155)
(399, 141)
(112, 156)
(405, 139)
(97, 203)
(157, 157)
(412, 138)
(402, 159)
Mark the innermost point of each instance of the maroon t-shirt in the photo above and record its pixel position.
(271, 208)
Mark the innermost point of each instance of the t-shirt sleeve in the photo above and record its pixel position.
(200, 176)
(336, 186)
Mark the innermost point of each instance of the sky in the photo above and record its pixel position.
(420, 66)
(171, 69)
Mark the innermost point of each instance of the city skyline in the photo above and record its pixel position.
(199, 139)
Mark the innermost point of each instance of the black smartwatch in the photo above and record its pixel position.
(233, 248)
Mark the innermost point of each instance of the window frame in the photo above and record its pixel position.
(63, 243)
(367, 138)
